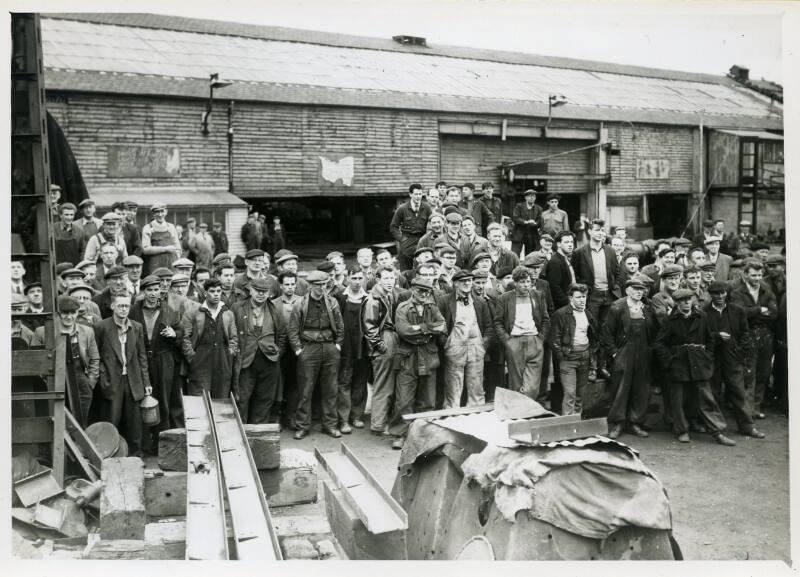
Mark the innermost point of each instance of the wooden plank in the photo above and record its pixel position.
(525, 426)
(82, 461)
(563, 431)
(82, 441)
(450, 412)
(32, 362)
(399, 511)
(32, 430)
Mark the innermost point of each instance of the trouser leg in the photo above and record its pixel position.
(265, 391)
(473, 381)
(533, 366)
(729, 371)
(329, 385)
(619, 387)
(516, 247)
(515, 351)
(453, 383)
(309, 365)
(493, 374)
(569, 381)
(404, 399)
(707, 408)
(640, 388)
(247, 383)
(291, 391)
(85, 393)
(343, 397)
(131, 422)
(358, 388)
(677, 390)
(763, 366)
(383, 382)
(425, 396)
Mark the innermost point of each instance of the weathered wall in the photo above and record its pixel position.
(771, 211)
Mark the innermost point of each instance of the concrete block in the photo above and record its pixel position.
(165, 493)
(122, 505)
(294, 525)
(265, 444)
(353, 537)
(298, 548)
(327, 549)
(295, 481)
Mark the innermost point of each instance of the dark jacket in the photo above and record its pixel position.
(447, 306)
(363, 346)
(376, 316)
(737, 322)
(562, 331)
(614, 332)
(193, 323)
(407, 227)
(686, 345)
(167, 317)
(520, 215)
(507, 259)
(250, 341)
(298, 318)
(505, 311)
(543, 287)
(556, 273)
(133, 239)
(103, 300)
(741, 296)
(479, 212)
(111, 355)
(584, 268)
(495, 206)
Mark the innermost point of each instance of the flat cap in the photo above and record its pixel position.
(450, 209)
(133, 204)
(260, 284)
(326, 266)
(84, 263)
(111, 217)
(682, 294)
(86, 202)
(149, 280)
(115, 272)
(77, 272)
(183, 263)
(440, 244)
(282, 259)
(480, 274)
(163, 272)
(682, 242)
(758, 245)
(738, 263)
(18, 299)
(636, 281)
(132, 260)
(479, 257)
(221, 258)
(535, 258)
(179, 278)
(708, 223)
(34, 285)
(422, 283)
(745, 223)
(68, 304)
(775, 259)
(718, 287)
(82, 287)
(317, 277)
(645, 279)
(708, 267)
(435, 215)
(62, 266)
(447, 250)
(334, 254)
(435, 260)
(254, 253)
(462, 275)
(712, 238)
(422, 249)
(505, 271)
(454, 216)
(553, 196)
(530, 192)
(158, 206)
(282, 252)
(671, 270)
(546, 236)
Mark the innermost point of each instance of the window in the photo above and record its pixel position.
(772, 152)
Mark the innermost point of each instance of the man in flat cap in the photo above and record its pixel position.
(708, 230)
(742, 240)
(254, 263)
(88, 222)
(339, 273)
(435, 231)
(251, 232)
(722, 262)
(527, 218)
(161, 339)
(110, 233)
(22, 337)
(221, 259)
(133, 264)
(554, 220)
(116, 282)
(475, 208)
(90, 274)
(685, 348)
(692, 280)
(89, 313)
(210, 342)
(68, 235)
(455, 239)
(35, 295)
(662, 303)
(160, 243)
(220, 238)
(77, 356)
(469, 332)
(627, 338)
(494, 204)
(288, 263)
(546, 245)
(728, 323)
(194, 291)
(316, 333)
(418, 323)
(775, 275)
(409, 223)
(534, 262)
(129, 230)
(262, 341)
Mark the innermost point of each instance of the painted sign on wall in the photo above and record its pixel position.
(654, 168)
(143, 161)
(335, 171)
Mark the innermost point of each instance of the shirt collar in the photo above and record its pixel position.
(125, 326)
(206, 307)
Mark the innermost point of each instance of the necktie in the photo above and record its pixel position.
(463, 300)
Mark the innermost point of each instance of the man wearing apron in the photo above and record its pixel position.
(160, 243)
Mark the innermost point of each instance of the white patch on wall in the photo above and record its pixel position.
(652, 168)
(337, 170)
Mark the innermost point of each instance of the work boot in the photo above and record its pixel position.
(592, 376)
(332, 432)
(755, 433)
(358, 423)
(638, 431)
(684, 438)
(398, 443)
(759, 415)
(723, 440)
(615, 431)
(346, 429)
(300, 434)
(697, 428)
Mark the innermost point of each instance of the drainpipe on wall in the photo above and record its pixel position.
(600, 189)
(230, 147)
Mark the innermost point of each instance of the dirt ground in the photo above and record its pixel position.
(728, 503)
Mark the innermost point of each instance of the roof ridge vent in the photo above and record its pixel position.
(410, 40)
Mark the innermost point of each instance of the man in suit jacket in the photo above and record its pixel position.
(124, 378)
(558, 271)
(262, 340)
(527, 218)
(117, 279)
(469, 332)
(722, 262)
(522, 323)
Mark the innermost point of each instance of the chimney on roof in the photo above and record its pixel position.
(410, 40)
(739, 73)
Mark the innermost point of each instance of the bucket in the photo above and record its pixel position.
(150, 412)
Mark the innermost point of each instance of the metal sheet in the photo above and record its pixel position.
(38, 487)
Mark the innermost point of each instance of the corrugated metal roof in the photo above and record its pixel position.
(760, 134)
(447, 82)
(172, 198)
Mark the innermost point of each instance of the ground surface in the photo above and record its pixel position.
(728, 503)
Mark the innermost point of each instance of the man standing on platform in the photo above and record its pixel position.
(409, 223)
(527, 217)
(160, 243)
(90, 224)
(69, 236)
(494, 204)
(554, 220)
(220, 238)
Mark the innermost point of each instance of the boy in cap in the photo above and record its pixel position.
(161, 245)
(469, 332)
(685, 347)
(77, 356)
(527, 218)
(455, 239)
(316, 333)
(418, 323)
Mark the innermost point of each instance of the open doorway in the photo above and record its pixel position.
(667, 214)
(570, 203)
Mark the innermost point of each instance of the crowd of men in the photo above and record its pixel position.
(453, 316)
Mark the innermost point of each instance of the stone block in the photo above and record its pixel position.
(122, 505)
(298, 548)
(265, 445)
(165, 493)
(295, 481)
